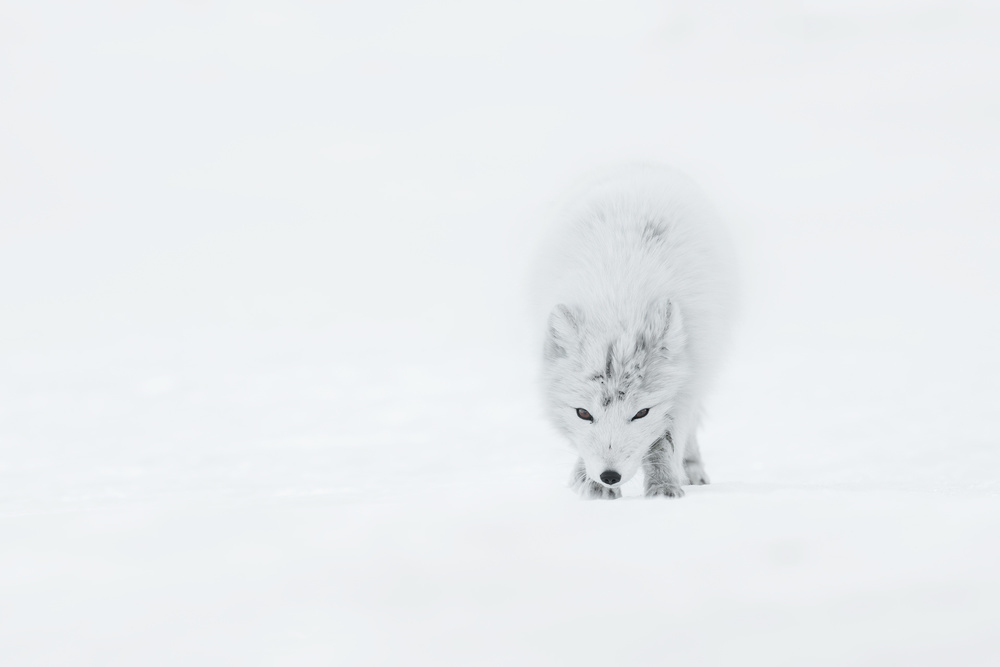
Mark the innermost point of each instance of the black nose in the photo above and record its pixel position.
(610, 477)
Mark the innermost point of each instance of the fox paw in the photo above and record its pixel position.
(594, 491)
(695, 472)
(664, 491)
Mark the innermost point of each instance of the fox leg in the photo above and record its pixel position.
(663, 475)
(694, 468)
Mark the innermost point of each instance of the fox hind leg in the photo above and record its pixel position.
(694, 468)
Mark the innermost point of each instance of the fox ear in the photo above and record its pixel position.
(664, 330)
(563, 331)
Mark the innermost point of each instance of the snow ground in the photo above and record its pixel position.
(266, 390)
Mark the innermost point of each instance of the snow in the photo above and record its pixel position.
(268, 390)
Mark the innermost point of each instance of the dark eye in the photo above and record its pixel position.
(583, 414)
(642, 413)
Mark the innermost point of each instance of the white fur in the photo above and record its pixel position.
(641, 267)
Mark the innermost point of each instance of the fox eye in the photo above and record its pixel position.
(642, 413)
(583, 414)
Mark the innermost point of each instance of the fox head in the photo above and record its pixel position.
(612, 385)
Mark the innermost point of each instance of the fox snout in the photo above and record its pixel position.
(611, 477)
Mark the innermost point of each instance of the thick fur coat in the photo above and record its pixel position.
(638, 286)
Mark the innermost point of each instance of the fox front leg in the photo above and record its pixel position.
(587, 487)
(662, 477)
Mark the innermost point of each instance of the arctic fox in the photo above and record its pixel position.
(638, 289)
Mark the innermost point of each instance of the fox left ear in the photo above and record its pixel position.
(563, 331)
(664, 330)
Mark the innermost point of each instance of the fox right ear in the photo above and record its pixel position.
(664, 329)
(563, 331)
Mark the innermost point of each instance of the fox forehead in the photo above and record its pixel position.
(616, 378)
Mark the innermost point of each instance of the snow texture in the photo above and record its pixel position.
(268, 387)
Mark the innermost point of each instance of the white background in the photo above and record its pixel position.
(268, 390)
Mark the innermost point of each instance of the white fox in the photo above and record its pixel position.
(639, 290)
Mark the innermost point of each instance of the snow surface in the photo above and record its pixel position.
(268, 391)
